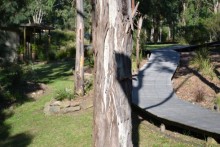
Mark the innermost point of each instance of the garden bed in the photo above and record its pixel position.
(193, 86)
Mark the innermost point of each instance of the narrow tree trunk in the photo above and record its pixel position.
(161, 30)
(112, 43)
(79, 72)
(25, 37)
(152, 34)
(216, 7)
(184, 13)
(140, 21)
(169, 34)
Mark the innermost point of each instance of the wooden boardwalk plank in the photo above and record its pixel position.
(153, 93)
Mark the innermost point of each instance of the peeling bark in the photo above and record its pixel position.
(112, 49)
(79, 64)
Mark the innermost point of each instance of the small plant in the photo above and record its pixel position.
(88, 85)
(217, 101)
(202, 61)
(199, 95)
(21, 49)
(34, 47)
(66, 93)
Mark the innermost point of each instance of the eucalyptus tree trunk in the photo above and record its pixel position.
(112, 42)
(79, 63)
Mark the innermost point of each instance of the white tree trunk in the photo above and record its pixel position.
(79, 64)
(112, 44)
(152, 34)
(184, 11)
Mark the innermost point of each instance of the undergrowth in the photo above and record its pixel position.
(202, 62)
(66, 93)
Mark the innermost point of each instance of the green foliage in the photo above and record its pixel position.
(202, 61)
(61, 54)
(12, 82)
(88, 84)
(196, 34)
(21, 49)
(65, 93)
(34, 47)
(52, 55)
(213, 25)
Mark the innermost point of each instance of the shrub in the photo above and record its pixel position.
(66, 93)
(193, 34)
(199, 95)
(202, 61)
(52, 55)
(61, 54)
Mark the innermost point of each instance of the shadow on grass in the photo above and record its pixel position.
(8, 140)
(51, 72)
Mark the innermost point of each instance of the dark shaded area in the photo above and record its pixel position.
(124, 78)
(6, 139)
(140, 115)
(19, 140)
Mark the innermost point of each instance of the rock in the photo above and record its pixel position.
(54, 109)
(88, 103)
(40, 92)
(74, 103)
(70, 109)
(43, 86)
(47, 109)
(65, 104)
(56, 103)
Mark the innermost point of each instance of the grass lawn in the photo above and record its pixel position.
(26, 124)
(157, 46)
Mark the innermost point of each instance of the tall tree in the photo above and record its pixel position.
(112, 42)
(79, 64)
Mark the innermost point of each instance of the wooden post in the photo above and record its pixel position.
(79, 64)
(140, 21)
(162, 128)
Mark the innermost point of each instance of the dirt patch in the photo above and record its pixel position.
(190, 84)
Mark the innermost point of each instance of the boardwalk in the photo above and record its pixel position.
(153, 93)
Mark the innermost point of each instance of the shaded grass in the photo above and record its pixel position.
(157, 46)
